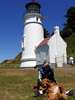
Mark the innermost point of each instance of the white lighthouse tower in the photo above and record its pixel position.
(33, 34)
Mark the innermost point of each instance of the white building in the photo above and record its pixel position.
(52, 49)
(36, 49)
(33, 34)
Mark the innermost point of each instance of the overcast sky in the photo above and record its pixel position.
(11, 22)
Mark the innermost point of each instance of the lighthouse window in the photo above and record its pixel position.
(37, 19)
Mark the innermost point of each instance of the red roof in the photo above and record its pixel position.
(45, 41)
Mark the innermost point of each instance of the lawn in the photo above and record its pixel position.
(17, 84)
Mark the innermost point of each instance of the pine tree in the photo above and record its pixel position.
(69, 26)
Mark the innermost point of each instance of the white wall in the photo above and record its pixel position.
(33, 34)
(57, 49)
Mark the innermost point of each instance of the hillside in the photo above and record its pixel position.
(71, 45)
(15, 60)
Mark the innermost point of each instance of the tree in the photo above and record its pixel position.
(46, 33)
(71, 18)
(69, 26)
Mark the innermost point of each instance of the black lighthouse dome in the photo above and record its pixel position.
(33, 7)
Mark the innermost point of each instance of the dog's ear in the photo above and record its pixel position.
(48, 81)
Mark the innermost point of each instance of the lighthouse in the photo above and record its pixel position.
(33, 34)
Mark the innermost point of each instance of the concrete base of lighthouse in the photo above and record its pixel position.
(31, 63)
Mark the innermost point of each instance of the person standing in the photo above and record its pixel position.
(47, 72)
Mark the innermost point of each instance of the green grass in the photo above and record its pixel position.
(16, 84)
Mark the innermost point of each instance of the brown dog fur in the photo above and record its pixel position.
(55, 91)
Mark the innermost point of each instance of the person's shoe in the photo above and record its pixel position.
(70, 92)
